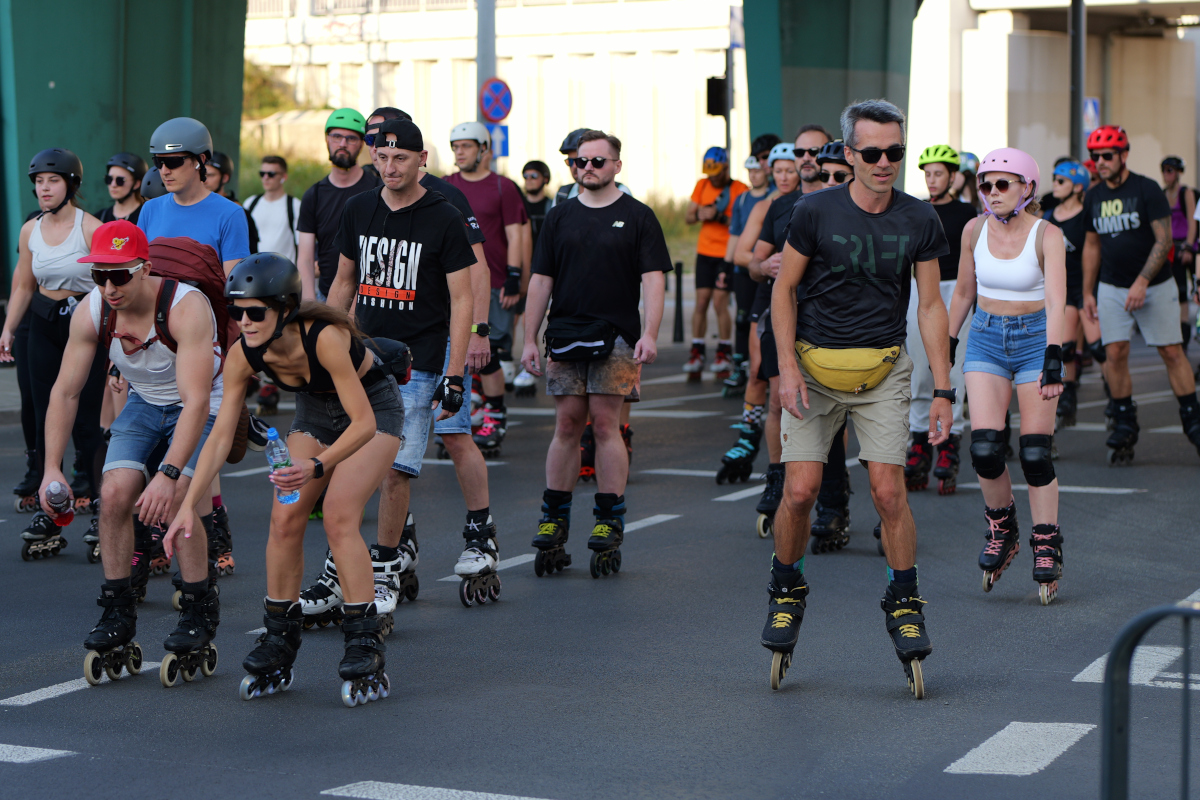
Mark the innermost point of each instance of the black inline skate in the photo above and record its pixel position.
(1003, 543)
(735, 384)
(917, 462)
(139, 564)
(27, 490)
(110, 645)
(587, 454)
(1124, 433)
(220, 542)
(605, 544)
(322, 602)
(362, 666)
(477, 564)
(42, 538)
(190, 648)
(1068, 403)
(268, 400)
(1047, 542)
(905, 618)
(551, 540)
(785, 612)
(879, 537)
(946, 470)
(738, 462)
(831, 528)
(1189, 416)
(270, 664)
(92, 539)
(768, 504)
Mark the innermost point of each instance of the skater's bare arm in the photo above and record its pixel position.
(479, 349)
(654, 289)
(935, 335)
(750, 234)
(306, 259)
(460, 325)
(1136, 297)
(20, 295)
(341, 291)
(964, 287)
(765, 262)
(1091, 273)
(536, 303)
(792, 390)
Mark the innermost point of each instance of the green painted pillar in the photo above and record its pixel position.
(761, 24)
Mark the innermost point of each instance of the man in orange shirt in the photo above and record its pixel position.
(711, 202)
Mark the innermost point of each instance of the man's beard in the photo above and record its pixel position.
(812, 176)
(599, 183)
(342, 159)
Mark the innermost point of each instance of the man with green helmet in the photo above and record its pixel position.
(321, 207)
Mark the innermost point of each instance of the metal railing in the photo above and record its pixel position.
(256, 9)
(321, 7)
(1114, 752)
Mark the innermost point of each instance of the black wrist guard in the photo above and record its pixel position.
(450, 393)
(1052, 366)
(953, 350)
(512, 283)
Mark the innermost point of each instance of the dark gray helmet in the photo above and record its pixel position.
(572, 141)
(764, 143)
(834, 151)
(152, 185)
(269, 277)
(222, 163)
(134, 163)
(181, 135)
(59, 161)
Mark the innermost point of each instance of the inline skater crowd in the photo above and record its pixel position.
(387, 300)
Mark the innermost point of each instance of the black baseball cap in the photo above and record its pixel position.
(408, 135)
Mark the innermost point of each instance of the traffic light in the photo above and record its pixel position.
(718, 97)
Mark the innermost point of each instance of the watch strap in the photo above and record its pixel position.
(318, 468)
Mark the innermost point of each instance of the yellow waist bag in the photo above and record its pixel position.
(854, 369)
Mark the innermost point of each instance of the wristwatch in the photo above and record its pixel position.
(170, 471)
(318, 468)
(948, 394)
(481, 329)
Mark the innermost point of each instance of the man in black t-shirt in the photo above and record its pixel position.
(852, 250)
(598, 254)
(1128, 240)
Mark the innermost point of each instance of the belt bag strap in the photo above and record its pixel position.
(853, 369)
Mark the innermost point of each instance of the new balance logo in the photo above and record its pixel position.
(618, 224)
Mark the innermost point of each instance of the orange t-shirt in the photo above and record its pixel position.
(714, 236)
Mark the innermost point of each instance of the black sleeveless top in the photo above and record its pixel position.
(319, 379)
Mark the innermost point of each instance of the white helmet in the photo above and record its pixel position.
(784, 151)
(752, 163)
(474, 131)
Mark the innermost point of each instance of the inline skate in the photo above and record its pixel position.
(1068, 403)
(524, 385)
(362, 666)
(946, 470)
(1003, 543)
(1046, 542)
(139, 564)
(738, 462)
(735, 384)
(477, 564)
(507, 368)
(27, 490)
(831, 528)
(395, 574)
(189, 647)
(321, 603)
(1189, 416)
(270, 664)
(220, 542)
(917, 462)
(267, 400)
(695, 363)
(605, 544)
(1124, 433)
(587, 454)
(92, 539)
(905, 618)
(491, 431)
(42, 539)
(722, 367)
(768, 504)
(785, 612)
(550, 541)
(110, 645)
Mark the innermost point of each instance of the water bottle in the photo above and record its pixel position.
(278, 457)
(58, 497)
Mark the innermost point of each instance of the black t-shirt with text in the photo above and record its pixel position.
(321, 213)
(954, 216)
(403, 258)
(857, 283)
(1122, 218)
(596, 257)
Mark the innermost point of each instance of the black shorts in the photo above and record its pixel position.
(1075, 290)
(744, 291)
(713, 273)
(768, 365)
(323, 417)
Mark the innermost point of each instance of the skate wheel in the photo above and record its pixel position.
(465, 595)
(481, 595)
(539, 563)
(916, 680)
(763, 526)
(322, 623)
(209, 665)
(133, 659)
(385, 686)
(93, 554)
(246, 689)
(288, 680)
(595, 565)
(410, 591)
(1112, 458)
(25, 554)
(188, 674)
(947, 487)
(168, 672)
(349, 698)
(988, 581)
(779, 667)
(616, 561)
(93, 668)
(175, 598)
(372, 694)
(113, 671)
(1047, 592)
(493, 591)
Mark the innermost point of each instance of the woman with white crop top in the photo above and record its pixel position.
(1014, 264)
(49, 277)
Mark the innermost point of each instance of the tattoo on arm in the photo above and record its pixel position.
(1162, 245)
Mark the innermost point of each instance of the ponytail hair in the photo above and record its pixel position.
(311, 310)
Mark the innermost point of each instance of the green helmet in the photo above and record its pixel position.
(939, 154)
(349, 119)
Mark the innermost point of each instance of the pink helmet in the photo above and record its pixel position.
(1017, 162)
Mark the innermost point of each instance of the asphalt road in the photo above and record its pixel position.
(650, 683)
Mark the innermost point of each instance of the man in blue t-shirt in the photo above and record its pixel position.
(744, 287)
(181, 148)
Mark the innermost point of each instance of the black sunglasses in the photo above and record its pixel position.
(1109, 156)
(871, 155)
(598, 163)
(1002, 185)
(266, 173)
(369, 139)
(253, 313)
(119, 275)
(838, 177)
(109, 180)
(531, 175)
(812, 151)
(170, 162)
(1060, 180)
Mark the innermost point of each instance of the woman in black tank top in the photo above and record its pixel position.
(347, 430)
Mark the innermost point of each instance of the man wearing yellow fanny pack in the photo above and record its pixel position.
(852, 251)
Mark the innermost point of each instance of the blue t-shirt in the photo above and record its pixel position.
(740, 213)
(214, 221)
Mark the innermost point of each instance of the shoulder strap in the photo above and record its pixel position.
(107, 319)
(291, 212)
(254, 203)
(1037, 243)
(979, 223)
(162, 313)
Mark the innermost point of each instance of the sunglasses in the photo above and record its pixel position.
(598, 163)
(170, 162)
(1109, 156)
(1061, 180)
(345, 138)
(109, 180)
(253, 313)
(532, 175)
(871, 155)
(266, 173)
(118, 275)
(838, 177)
(1002, 185)
(812, 151)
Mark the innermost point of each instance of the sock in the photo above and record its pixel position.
(496, 402)
(698, 343)
(779, 566)
(384, 554)
(1187, 401)
(196, 589)
(610, 506)
(118, 583)
(752, 414)
(556, 504)
(902, 576)
(477, 521)
(216, 500)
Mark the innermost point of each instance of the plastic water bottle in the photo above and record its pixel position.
(278, 457)
(58, 497)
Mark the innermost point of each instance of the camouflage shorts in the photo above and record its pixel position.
(617, 374)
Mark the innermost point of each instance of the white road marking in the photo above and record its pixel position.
(742, 495)
(241, 473)
(15, 754)
(1088, 427)
(695, 473)
(376, 790)
(505, 564)
(648, 521)
(1148, 662)
(682, 378)
(1021, 748)
(1021, 487)
(256, 631)
(665, 402)
(59, 689)
(1088, 380)
(488, 462)
(673, 414)
(1142, 400)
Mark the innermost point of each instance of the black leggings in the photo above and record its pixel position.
(25, 383)
(744, 290)
(47, 343)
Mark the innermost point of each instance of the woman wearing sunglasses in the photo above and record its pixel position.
(50, 279)
(124, 182)
(1015, 264)
(346, 432)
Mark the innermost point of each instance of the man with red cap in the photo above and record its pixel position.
(175, 392)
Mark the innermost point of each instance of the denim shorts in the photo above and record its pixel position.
(322, 416)
(1011, 347)
(141, 428)
(417, 395)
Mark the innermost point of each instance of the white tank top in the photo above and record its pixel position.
(1015, 279)
(58, 267)
(151, 371)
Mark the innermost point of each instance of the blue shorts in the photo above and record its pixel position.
(417, 395)
(142, 427)
(1011, 347)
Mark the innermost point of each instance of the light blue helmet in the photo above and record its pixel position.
(1075, 172)
(784, 151)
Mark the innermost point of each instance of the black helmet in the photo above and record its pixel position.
(134, 163)
(834, 151)
(764, 143)
(61, 162)
(221, 162)
(1175, 162)
(269, 277)
(152, 185)
(572, 141)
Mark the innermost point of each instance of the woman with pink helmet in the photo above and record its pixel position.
(1014, 263)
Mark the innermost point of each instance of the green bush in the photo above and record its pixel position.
(302, 173)
(681, 237)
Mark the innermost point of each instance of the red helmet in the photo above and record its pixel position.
(1108, 136)
(1091, 167)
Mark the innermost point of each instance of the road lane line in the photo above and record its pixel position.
(635, 411)
(742, 495)
(692, 473)
(1022, 748)
(256, 631)
(443, 461)
(648, 521)
(59, 689)
(241, 473)
(1142, 399)
(377, 790)
(1021, 487)
(15, 754)
(1148, 662)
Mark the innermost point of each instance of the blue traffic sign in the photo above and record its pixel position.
(499, 136)
(495, 100)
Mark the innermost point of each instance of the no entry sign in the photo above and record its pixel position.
(495, 100)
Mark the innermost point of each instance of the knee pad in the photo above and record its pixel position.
(1035, 459)
(1099, 354)
(987, 453)
(492, 366)
(1068, 352)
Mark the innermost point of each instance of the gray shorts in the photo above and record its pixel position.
(617, 374)
(501, 321)
(322, 416)
(1157, 319)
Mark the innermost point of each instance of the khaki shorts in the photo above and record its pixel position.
(617, 374)
(880, 418)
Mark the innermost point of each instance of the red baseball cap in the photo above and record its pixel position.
(117, 242)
